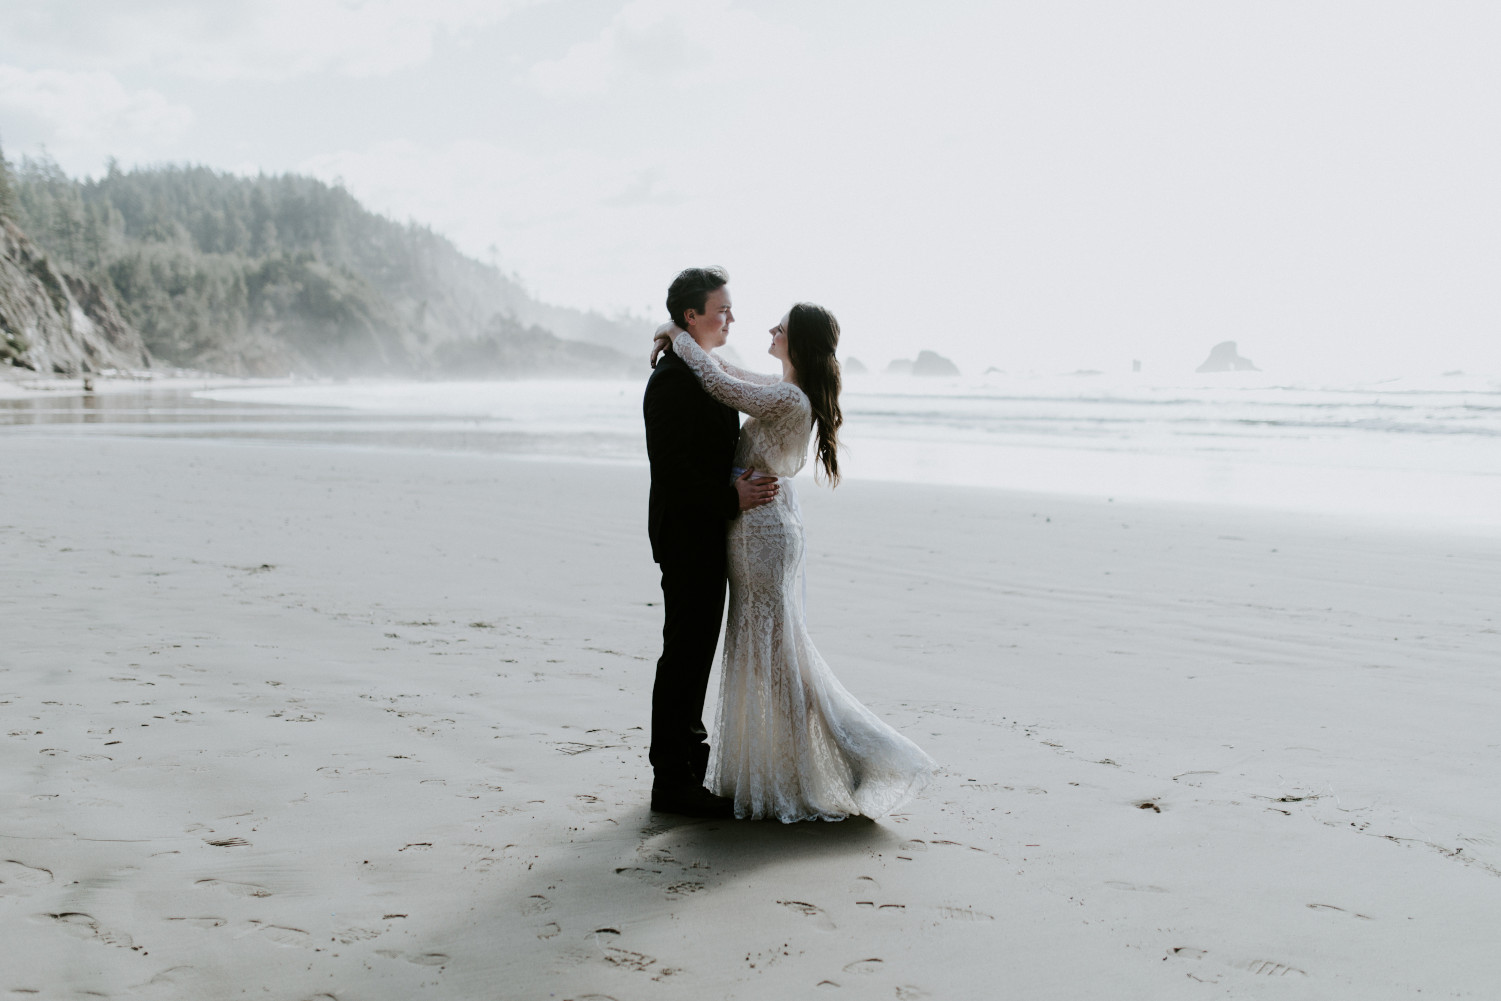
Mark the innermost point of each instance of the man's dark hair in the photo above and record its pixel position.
(690, 290)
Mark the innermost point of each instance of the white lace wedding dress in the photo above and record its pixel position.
(790, 742)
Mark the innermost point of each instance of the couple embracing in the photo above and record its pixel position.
(790, 742)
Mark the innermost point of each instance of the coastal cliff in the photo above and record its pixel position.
(266, 276)
(55, 322)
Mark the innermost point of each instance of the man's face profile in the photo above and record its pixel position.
(711, 328)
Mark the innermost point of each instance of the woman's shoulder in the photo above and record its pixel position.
(798, 395)
(791, 403)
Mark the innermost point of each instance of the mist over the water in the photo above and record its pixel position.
(1421, 452)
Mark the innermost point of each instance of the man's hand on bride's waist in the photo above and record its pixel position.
(755, 490)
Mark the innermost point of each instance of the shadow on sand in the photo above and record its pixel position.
(654, 862)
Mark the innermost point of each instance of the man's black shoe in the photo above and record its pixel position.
(691, 801)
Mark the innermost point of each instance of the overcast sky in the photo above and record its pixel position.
(1044, 185)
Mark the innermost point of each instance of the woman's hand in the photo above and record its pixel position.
(662, 339)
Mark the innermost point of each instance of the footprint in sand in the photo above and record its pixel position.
(964, 914)
(535, 904)
(1257, 967)
(1341, 910)
(1269, 968)
(170, 977)
(864, 966)
(19, 874)
(86, 926)
(208, 922)
(238, 889)
(820, 917)
(283, 934)
(628, 960)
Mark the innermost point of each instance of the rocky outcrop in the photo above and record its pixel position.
(1224, 358)
(930, 363)
(853, 366)
(53, 322)
(927, 363)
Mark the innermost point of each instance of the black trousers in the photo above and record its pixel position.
(693, 594)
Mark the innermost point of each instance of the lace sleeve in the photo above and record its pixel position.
(746, 375)
(667, 331)
(767, 403)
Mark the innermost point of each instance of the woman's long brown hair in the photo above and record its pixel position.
(812, 336)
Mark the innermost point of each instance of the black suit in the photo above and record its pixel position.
(690, 440)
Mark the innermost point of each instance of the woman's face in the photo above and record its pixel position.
(778, 347)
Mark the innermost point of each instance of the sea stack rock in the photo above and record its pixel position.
(899, 366)
(853, 366)
(1224, 358)
(929, 363)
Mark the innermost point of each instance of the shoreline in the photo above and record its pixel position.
(1436, 500)
(15, 386)
(386, 721)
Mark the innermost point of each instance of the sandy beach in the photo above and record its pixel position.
(295, 723)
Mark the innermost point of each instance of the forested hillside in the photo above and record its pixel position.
(277, 275)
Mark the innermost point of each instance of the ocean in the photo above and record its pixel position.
(1423, 451)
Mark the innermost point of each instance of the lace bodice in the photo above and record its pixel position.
(775, 439)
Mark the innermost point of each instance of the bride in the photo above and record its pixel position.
(792, 743)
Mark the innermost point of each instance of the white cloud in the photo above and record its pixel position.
(501, 187)
(686, 42)
(244, 39)
(83, 117)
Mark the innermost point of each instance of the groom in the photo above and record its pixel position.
(690, 441)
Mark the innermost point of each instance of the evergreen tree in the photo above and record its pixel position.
(7, 189)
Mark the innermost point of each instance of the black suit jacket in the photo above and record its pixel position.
(690, 440)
